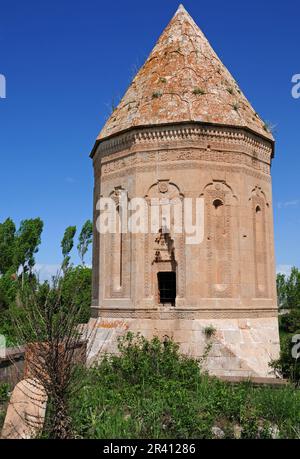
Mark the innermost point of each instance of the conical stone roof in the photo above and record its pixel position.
(183, 80)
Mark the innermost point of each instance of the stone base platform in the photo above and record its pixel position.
(238, 347)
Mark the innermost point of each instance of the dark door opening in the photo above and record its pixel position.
(167, 287)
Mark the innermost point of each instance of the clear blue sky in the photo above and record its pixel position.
(65, 61)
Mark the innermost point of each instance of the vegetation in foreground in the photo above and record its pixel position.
(288, 292)
(151, 391)
(4, 397)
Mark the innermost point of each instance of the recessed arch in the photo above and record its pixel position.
(221, 186)
(259, 208)
(259, 193)
(220, 220)
(163, 186)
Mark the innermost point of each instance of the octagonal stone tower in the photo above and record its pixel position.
(184, 129)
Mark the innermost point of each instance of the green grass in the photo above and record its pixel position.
(4, 396)
(151, 391)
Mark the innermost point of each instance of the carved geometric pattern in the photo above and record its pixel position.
(189, 165)
(163, 314)
(140, 159)
(251, 143)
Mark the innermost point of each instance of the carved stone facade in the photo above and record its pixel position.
(227, 280)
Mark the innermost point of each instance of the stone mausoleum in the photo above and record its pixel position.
(184, 129)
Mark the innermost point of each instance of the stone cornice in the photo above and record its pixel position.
(183, 134)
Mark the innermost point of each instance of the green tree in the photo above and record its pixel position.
(76, 287)
(289, 297)
(27, 241)
(281, 290)
(293, 289)
(7, 290)
(67, 244)
(290, 323)
(7, 243)
(85, 239)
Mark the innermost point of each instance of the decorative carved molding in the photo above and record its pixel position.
(176, 314)
(211, 136)
(234, 168)
(140, 159)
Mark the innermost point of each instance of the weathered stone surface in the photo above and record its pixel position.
(183, 80)
(229, 354)
(26, 411)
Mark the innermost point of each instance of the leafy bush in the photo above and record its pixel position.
(150, 361)
(150, 391)
(287, 366)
